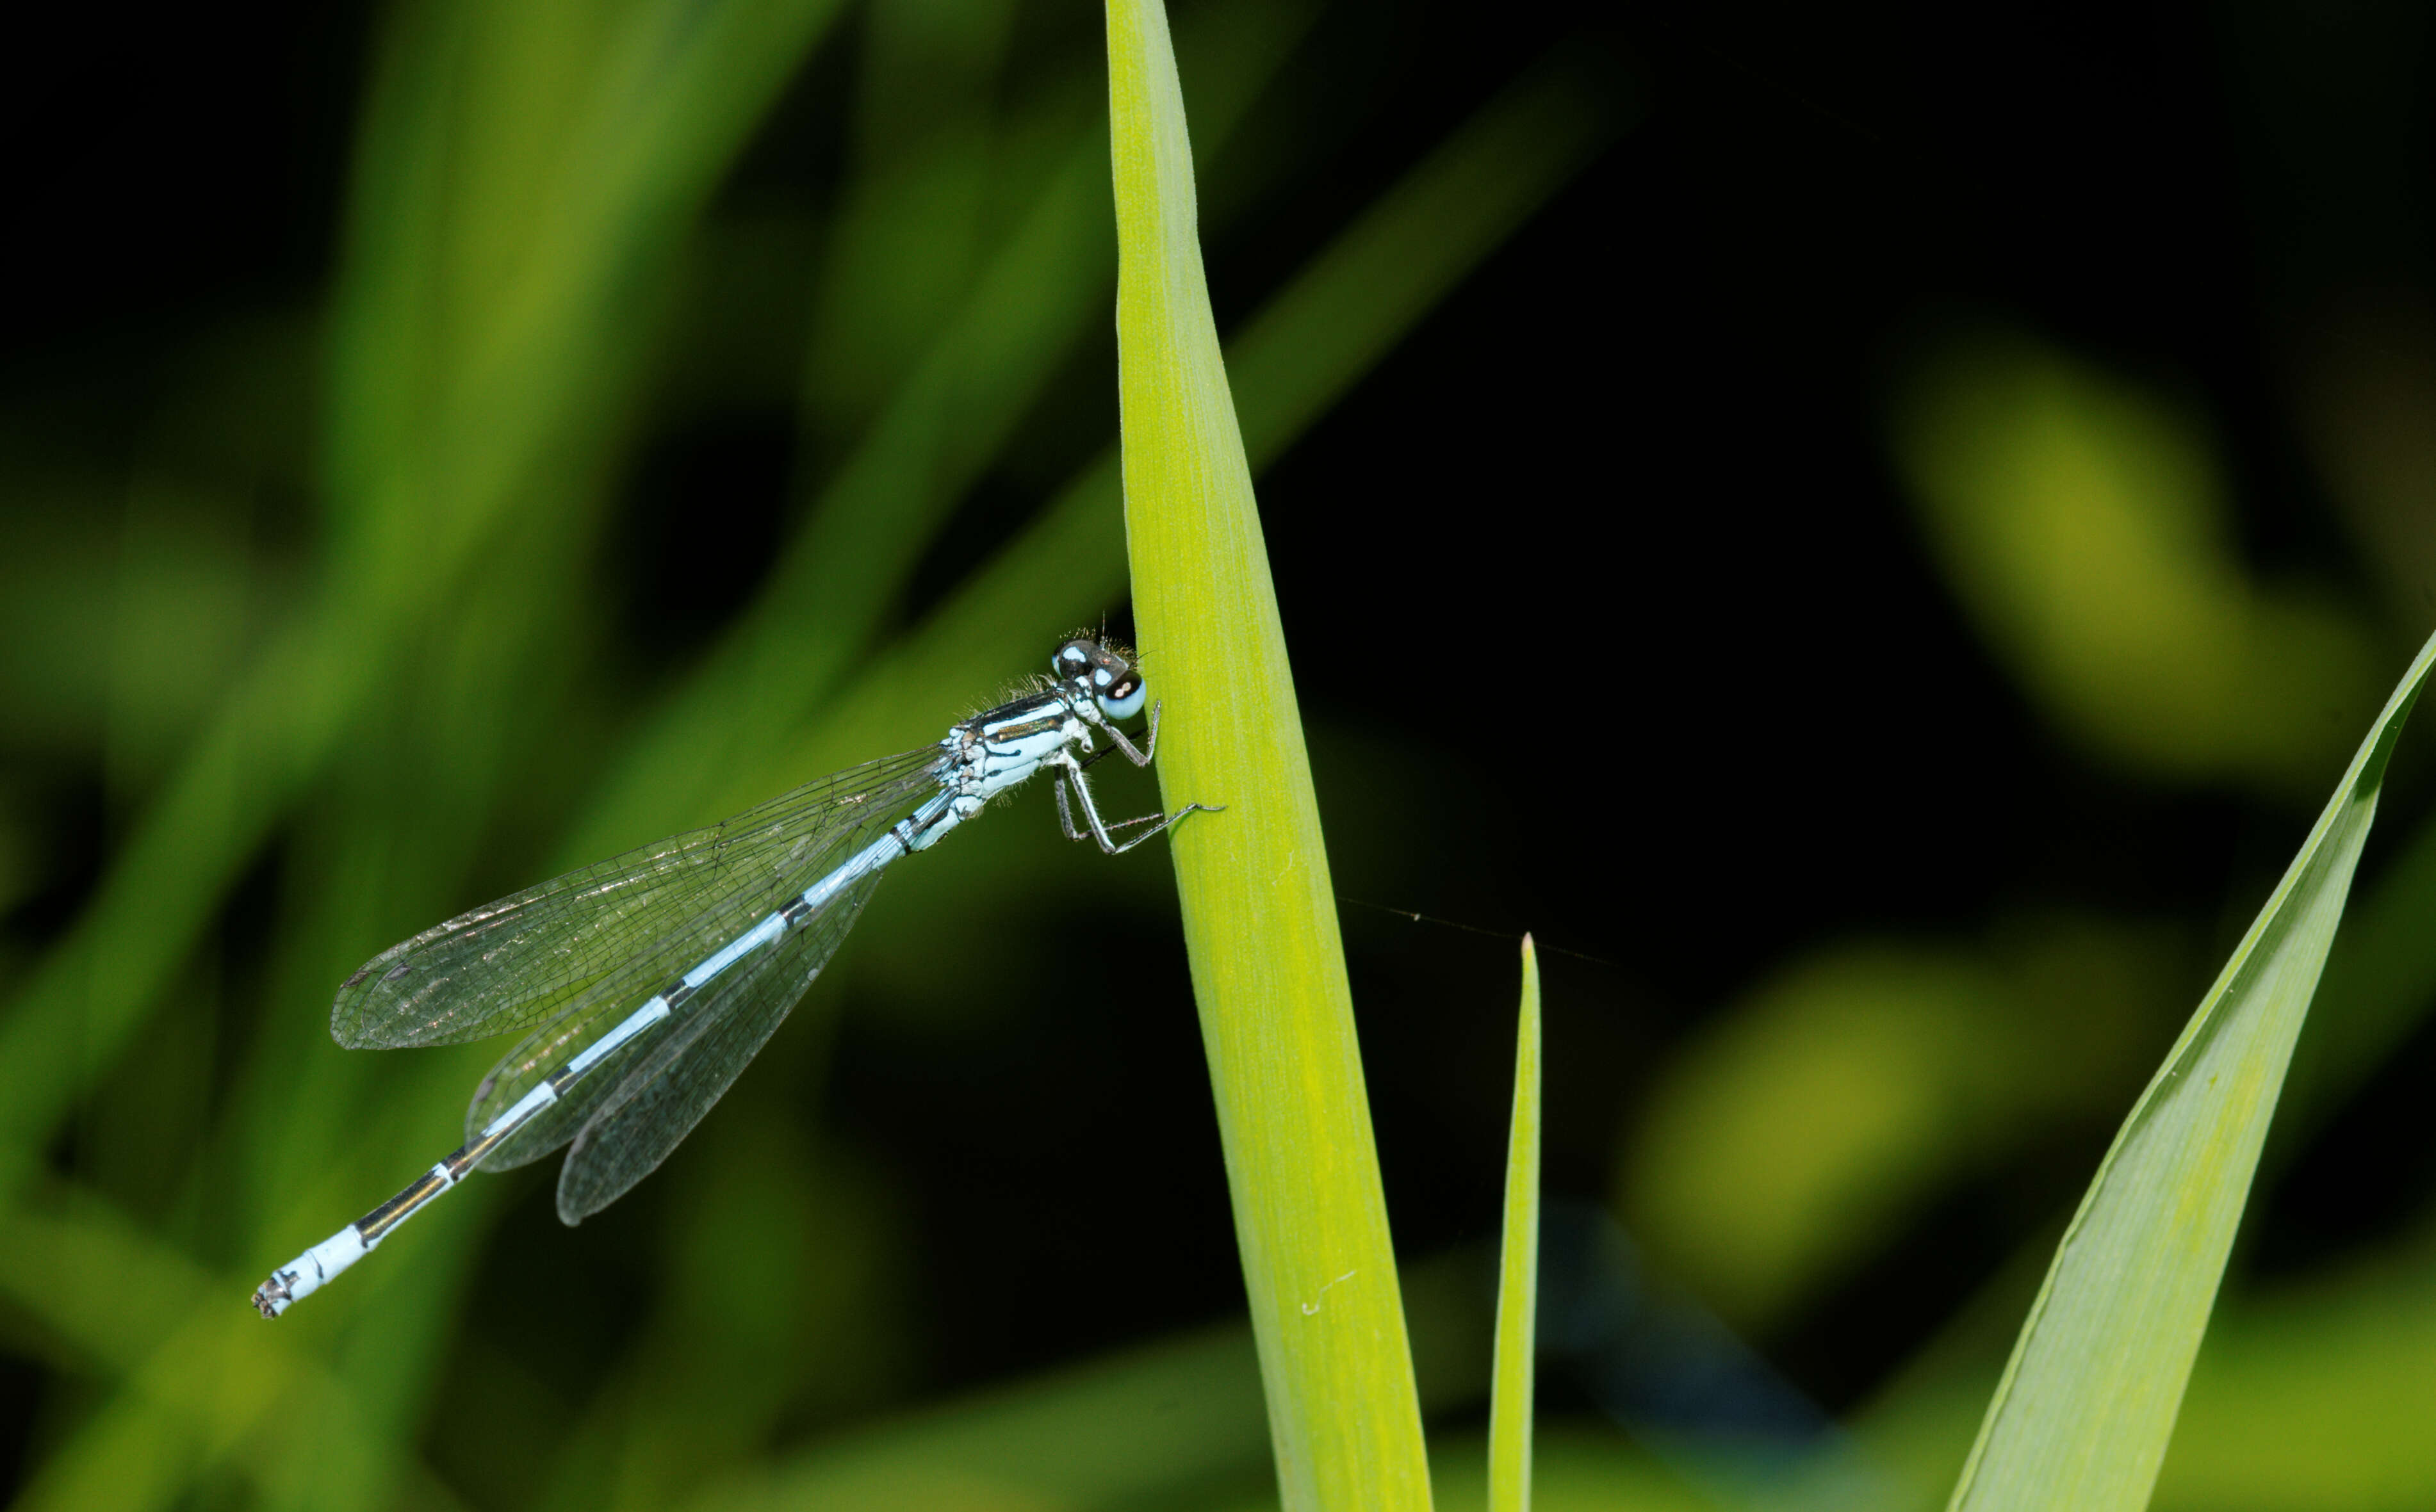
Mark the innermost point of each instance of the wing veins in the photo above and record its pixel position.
(522, 960)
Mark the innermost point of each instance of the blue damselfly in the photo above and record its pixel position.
(645, 983)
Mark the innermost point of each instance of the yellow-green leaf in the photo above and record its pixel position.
(1260, 915)
(1517, 1269)
(2087, 1403)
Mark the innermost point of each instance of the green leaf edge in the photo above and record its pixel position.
(2357, 788)
(1517, 1269)
(1259, 910)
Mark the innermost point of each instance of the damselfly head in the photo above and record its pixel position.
(1113, 682)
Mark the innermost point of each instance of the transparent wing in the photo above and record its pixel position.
(615, 998)
(653, 1106)
(521, 961)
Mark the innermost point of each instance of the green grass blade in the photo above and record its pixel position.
(2087, 1403)
(1517, 1269)
(1260, 915)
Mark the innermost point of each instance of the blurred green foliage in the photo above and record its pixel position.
(2083, 523)
(1893, 1072)
(334, 643)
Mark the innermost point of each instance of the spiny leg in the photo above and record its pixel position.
(1098, 830)
(1074, 831)
(1150, 740)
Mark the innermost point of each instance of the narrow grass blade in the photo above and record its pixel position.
(1260, 915)
(1517, 1269)
(2087, 1403)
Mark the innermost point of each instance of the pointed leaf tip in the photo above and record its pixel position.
(1510, 1388)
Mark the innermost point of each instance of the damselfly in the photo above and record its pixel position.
(645, 983)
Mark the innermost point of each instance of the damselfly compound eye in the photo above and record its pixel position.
(1074, 659)
(1111, 681)
(1125, 696)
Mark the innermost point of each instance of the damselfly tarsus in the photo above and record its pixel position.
(646, 982)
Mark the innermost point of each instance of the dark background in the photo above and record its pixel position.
(1613, 618)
